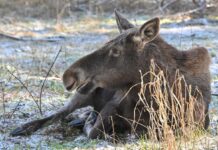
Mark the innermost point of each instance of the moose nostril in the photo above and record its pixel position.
(69, 83)
(69, 79)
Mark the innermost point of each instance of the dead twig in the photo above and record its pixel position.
(188, 12)
(162, 6)
(3, 97)
(46, 39)
(43, 84)
(168, 4)
(9, 36)
(25, 87)
(15, 109)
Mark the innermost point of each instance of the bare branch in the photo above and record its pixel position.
(168, 4)
(21, 82)
(3, 97)
(43, 84)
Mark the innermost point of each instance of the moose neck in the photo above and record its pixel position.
(162, 52)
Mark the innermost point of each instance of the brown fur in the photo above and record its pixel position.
(103, 77)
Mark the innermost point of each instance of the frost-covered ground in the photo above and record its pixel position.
(27, 50)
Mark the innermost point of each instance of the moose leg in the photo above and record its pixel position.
(79, 119)
(93, 128)
(103, 123)
(77, 101)
(102, 97)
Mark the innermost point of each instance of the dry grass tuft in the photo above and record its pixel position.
(174, 107)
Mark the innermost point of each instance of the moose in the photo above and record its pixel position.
(103, 78)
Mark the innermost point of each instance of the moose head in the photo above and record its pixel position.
(117, 63)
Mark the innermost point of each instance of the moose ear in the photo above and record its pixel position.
(122, 23)
(150, 29)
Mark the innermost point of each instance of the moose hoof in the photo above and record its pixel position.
(77, 123)
(28, 128)
(90, 121)
(91, 118)
(20, 131)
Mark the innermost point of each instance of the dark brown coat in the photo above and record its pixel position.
(103, 77)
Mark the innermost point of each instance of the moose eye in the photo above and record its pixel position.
(115, 52)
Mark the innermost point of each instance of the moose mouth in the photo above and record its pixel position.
(71, 87)
(85, 87)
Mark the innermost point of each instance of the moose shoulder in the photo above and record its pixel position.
(103, 78)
